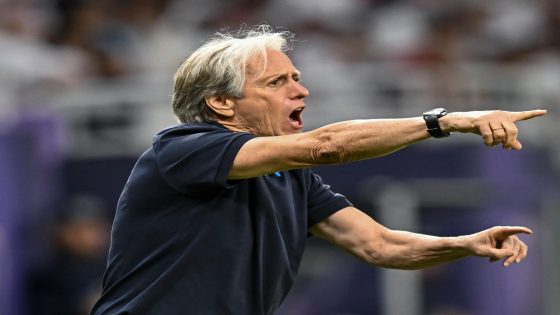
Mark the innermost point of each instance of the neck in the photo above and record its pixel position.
(233, 126)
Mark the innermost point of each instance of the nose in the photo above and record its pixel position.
(299, 90)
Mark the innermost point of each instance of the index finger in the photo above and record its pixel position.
(517, 116)
(505, 231)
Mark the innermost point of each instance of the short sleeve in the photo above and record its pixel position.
(198, 161)
(322, 201)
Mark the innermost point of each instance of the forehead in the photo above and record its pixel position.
(276, 62)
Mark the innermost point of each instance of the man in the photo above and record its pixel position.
(215, 215)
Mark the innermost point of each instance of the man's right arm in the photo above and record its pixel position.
(364, 139)
(368, 240)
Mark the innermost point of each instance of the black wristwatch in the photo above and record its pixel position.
(431, 117)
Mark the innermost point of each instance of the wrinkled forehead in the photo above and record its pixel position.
(273, 61)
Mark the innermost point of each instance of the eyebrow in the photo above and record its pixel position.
(278, 76)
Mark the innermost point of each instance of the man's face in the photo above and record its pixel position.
(273, 98)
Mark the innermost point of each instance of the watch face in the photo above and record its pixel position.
(435, 112)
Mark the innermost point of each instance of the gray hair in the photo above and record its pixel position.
(219, 68)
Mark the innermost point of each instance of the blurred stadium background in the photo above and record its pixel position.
(84, 84)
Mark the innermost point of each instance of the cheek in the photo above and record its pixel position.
(278, 115)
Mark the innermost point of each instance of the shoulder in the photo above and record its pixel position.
(189, 129)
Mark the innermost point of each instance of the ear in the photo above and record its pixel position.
(221, 105)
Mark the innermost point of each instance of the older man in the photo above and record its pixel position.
(215, 215)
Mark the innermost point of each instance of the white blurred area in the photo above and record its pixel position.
(106, 67)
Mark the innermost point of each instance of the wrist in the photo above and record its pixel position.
(433, 125)
(458, 122)
(446, 122)
(461, 244)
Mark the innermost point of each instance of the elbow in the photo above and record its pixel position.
(326, 150)
(386, 254)
(373, 252)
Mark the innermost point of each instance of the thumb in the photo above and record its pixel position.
(517, 145)
(496, 254)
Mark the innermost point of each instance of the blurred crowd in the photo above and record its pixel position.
(67, 279)
(104, 70)
(72, 53)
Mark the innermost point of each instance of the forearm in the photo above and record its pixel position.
(363, 237)
(371, 242)
(332, 144)
(363, 139)
(406, 250)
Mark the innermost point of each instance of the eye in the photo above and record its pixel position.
(275, 82)
(296, 78)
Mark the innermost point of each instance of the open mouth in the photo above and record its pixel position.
(295, 117)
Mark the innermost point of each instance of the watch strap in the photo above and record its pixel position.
(432, 123)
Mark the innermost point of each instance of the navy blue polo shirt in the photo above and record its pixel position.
(186, 240)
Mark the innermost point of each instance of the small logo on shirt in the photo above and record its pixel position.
(274, 175)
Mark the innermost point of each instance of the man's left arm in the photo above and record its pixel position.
(371, 242)
(357, 140)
